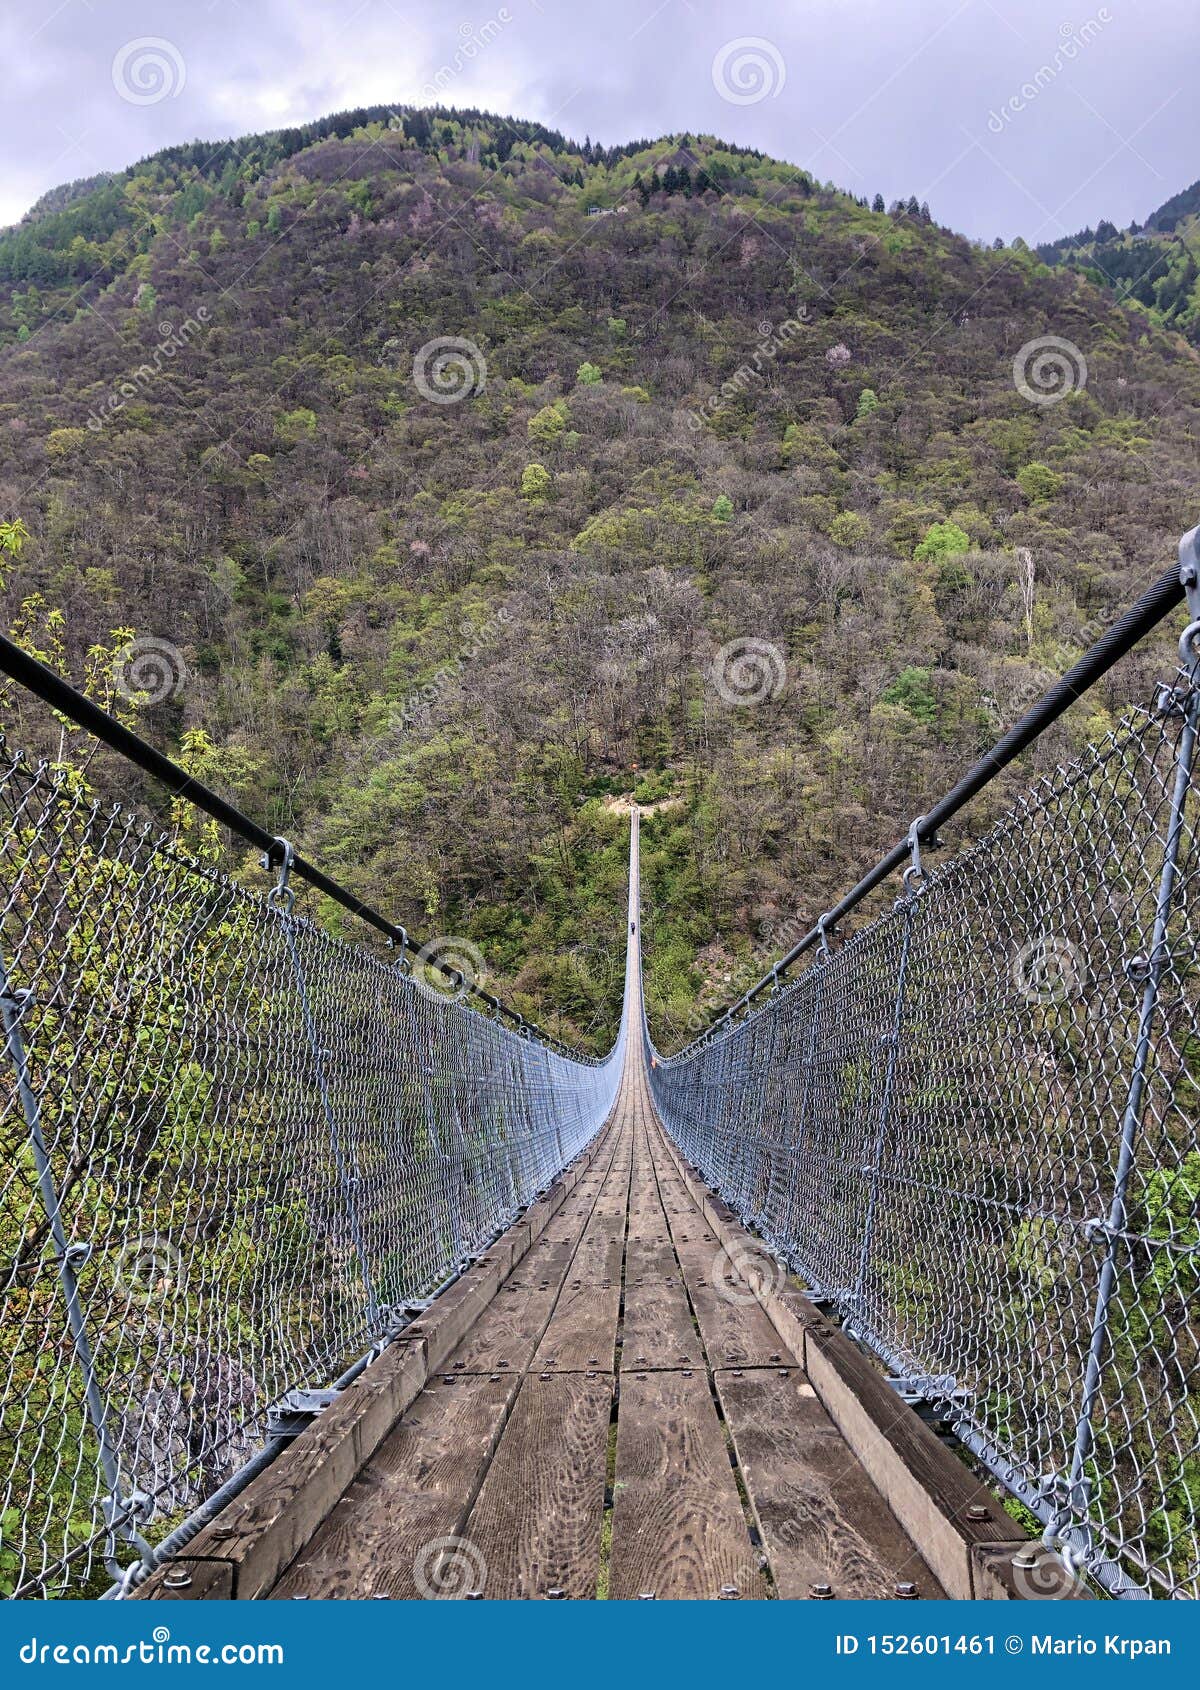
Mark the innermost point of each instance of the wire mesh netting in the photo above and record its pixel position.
(235, 1150)
(973, 1129)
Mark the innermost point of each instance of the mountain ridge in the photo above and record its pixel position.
(453, 498)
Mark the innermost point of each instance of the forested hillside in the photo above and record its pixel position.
(434, 603)
(1153, 266)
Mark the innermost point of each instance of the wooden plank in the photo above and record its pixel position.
(658, 1330)
(582, 1334)
(538, 1518)
(383, 1537)
(509, 1330)
(597, 1261)
(649, 1258)
(822, 1520)
(678, 1527)
(735, 1330)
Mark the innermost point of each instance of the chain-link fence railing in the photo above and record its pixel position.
(236, 1151)
(972, 1129)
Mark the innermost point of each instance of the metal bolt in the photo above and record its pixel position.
(177, 1579)
(978, 1513)
(556, 1595)
(906, 1592)
(729, 1593)
(473, 1596)
(1026, 1560)
(821, 1592)
(647, 1596)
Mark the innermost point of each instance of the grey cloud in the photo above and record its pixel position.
(1009, 117)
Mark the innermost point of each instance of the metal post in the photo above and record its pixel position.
(121, 1513)
(1112, 1228)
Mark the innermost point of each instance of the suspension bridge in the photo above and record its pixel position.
(320, 1281)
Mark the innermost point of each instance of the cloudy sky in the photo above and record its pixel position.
(1029, 117)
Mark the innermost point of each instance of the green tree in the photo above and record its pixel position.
(848, 528)
(944, 539)
(1039, 482)
(535, 482)
(546, 426)
(912, 691)
(868, 401)
(588, 374)
(722, 507)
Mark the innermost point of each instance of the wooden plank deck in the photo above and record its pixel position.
(623, 1420)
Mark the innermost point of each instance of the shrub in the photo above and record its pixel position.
(848, 528)
(912, 691)
(1039, 482)
(535, 482)
(944, 539)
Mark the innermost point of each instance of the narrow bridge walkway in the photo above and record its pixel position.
(622, 1419)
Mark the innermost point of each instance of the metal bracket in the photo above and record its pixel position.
(281, 894)
(297, 1410)
(823, 950)
(914, 874)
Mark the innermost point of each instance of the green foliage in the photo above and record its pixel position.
(333, 555)
(293, 426)
(912, 691)
(943, 540)
(535, 482)
(1039, 483)
(868, 401)
(849, 529)
(546, 426)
